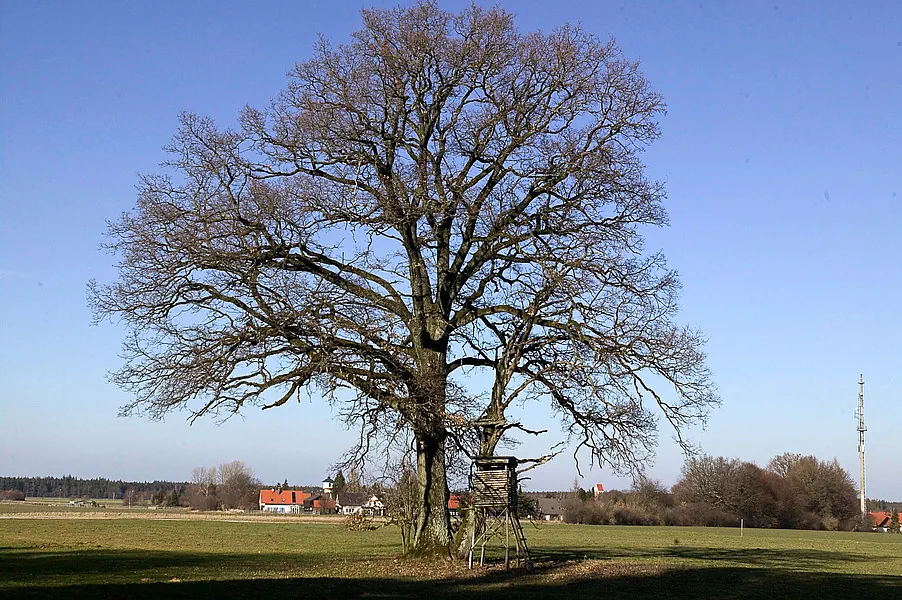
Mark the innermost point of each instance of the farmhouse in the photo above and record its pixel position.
(283, 501)
(881, 521)
(549, 508)
(349, 503)
(598, 489)
(320, 504)
(298, 501)
(83, 503)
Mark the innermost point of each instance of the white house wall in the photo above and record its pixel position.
(283, 508)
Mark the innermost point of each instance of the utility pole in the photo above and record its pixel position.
(861, 429)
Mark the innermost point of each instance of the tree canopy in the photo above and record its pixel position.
(443, 193)
(794, 491)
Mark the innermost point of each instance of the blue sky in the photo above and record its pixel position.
(781, 153)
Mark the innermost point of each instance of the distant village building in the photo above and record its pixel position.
(598, 489)
(882, 521)
(283, 501)
(320, 504)
(374, 506)
(454, 506)
(549, 508)
(299, 501)
(350, 503)
(83, 503)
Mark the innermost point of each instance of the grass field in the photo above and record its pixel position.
(56, 510)
(27, 507)
(135, 558)
(52, 500)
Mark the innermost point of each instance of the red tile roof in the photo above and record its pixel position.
(284, 497)
(323, 503)
(880, 519)
(599, 488)
(454, 502)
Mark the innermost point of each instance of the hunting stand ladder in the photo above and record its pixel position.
(494, 485)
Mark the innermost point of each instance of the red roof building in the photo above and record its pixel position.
(598, 489)
(321, 504)
(881, 519)
(283, 501)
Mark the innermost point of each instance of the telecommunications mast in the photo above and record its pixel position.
(861, 429)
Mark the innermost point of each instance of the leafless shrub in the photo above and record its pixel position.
(360, 522)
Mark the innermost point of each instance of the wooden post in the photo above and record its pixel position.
(507, 540)
(516, 537)
(472, 542)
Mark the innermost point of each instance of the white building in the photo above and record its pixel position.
(349, 503)
(285, 501)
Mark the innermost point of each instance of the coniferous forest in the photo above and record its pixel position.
(74, 487)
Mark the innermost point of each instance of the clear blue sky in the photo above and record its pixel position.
(781, 153)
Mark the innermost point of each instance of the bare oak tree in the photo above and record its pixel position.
(237, 485)
(202, 491)
(442, 193)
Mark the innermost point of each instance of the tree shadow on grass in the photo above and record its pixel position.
(52, 567)
(31, 574)
(793, 559)
(735, 584)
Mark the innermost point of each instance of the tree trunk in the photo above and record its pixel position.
(432, 534)
(460, 546)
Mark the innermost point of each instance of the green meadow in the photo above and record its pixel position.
(142, 558)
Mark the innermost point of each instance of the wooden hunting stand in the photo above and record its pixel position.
(494, 484)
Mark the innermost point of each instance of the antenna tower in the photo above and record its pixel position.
(861, 429)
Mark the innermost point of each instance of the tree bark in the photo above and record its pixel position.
(432, 535)
(460, 546)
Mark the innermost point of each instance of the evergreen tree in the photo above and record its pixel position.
(73, 487)
(339, 485)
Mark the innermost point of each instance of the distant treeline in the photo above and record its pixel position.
(792, 492)
(74, 487)
(882, 505)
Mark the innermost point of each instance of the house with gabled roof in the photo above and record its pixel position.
(283, 501)
(548, 505)
(550, 509)
(350, 503)
(320, 504)
(881, 521)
